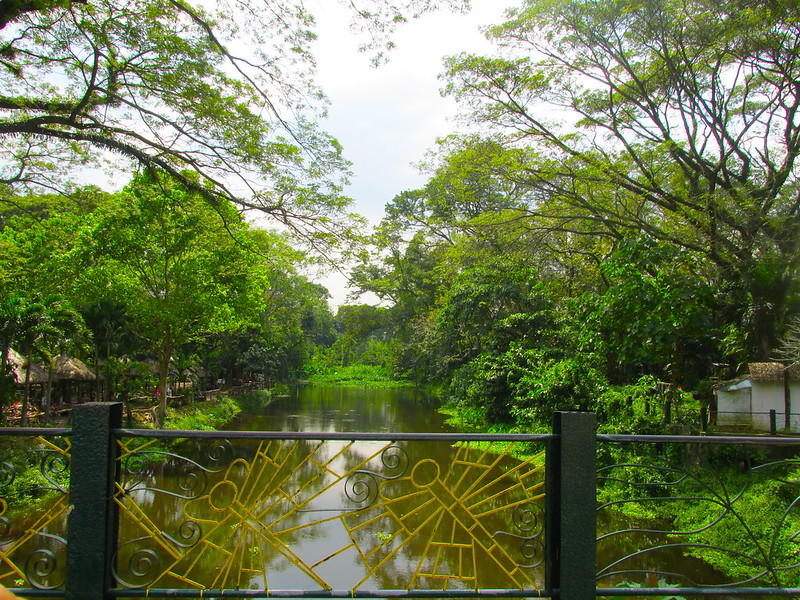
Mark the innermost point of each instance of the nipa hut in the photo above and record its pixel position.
(72, 369)
(37, 374)
(73, 378)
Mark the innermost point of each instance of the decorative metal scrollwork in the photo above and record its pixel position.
(361, 486)
(43, 568)
(54, 467)
(33, 509)
(256, 517)
(528, 519)
(139, 562)
(189, 533)
(219, 453)
(8, 473)
(192, 481)
(445, 512)
(142, 567)
(724, 521)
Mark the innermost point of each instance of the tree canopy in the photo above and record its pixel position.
(678, 120)
(222, 90)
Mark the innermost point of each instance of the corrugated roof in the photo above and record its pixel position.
(735, 384)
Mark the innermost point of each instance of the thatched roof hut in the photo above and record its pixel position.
(766, 371)
(793, 371)
(72, 369)
(17, 362)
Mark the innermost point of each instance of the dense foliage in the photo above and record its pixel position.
(625, 211)
(154, 288)
(628, 211)
(620, 224)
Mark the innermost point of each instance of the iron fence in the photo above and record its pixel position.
(98, 511)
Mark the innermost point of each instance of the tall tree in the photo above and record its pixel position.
(224, 90)
(678, 120)
(40, 327)
(179, 270)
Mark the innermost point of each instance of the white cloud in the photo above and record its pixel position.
(387, 117)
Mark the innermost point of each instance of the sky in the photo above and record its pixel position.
(387, 117)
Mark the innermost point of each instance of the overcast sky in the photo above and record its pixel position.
(387, 117)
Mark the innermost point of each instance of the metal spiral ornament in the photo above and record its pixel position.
(189, 533)
(7, 475)
(54, 465)
(361, 487)
(532, 549)
(43, 563)
(395, 459)
(529, 518)
(142, 567)
(192, 480)
(219, 453)
(136, 466)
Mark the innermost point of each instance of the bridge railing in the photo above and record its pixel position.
(99, 511)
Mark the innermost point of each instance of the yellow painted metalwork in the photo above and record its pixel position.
(20, 542)
(450, 502)
(254, 513)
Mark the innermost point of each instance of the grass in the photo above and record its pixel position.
(361, 376)
(206, 416)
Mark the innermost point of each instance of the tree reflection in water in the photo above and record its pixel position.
(301, 514)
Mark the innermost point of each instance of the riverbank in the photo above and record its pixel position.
(356, 376)
(210, 415)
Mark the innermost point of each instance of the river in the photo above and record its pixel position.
(340, 514)
(334, 409)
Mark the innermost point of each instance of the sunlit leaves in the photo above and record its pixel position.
(676, 119)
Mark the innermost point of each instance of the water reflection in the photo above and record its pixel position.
(331, 409)
(311, 514)
(33, 509)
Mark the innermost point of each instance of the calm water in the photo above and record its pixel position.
(329, 409)
(310, 514)
(307, 514)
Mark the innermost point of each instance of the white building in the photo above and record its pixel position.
(746, 403)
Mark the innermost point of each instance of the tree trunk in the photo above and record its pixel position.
(24, 408)
(48, 393)
(164, 358)
(96, 358)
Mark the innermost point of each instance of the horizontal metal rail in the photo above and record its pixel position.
(484, 593)
(334, 436)
(702, 439)
(701, 591)
(34, 431)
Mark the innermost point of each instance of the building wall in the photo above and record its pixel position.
(733, 407)
(751, 406)
(794, 395)
(766, 396)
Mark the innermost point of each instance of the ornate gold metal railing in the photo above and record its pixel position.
(99, 512)
(33, 507)
(329, 514)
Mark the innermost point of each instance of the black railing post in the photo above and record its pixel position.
(571, 507)
(92, 524)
